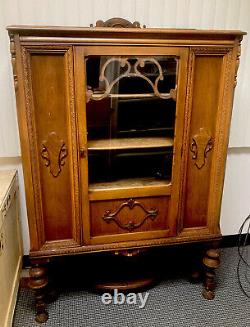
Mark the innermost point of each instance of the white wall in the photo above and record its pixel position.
(236, 196)
(212, 14)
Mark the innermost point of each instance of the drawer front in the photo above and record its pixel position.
(129, 219)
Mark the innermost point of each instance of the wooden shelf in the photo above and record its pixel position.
(97, 95)
(128, 183)
(130, 187)
(130, 143)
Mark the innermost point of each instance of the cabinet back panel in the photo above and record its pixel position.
(51, 114)
(206, 88)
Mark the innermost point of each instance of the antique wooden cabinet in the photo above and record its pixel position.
(124, 134)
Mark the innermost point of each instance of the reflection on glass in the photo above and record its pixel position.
(130, 120)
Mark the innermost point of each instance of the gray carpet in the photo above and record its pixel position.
(174, 302)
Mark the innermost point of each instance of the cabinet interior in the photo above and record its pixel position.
(130, 111)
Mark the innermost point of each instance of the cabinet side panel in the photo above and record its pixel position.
(52, 126)
(205, 103)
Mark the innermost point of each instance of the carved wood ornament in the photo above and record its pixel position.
(131, 71)
(237, 62)
(118, 23)
(54, 152)
(201, 144)
(131, 225)
(13, 61)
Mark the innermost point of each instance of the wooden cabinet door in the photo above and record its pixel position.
(47, 122)
(130, 152)
(209, 101)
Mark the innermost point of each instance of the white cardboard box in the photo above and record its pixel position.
(10, 245)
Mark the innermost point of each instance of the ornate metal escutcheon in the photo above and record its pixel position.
(201, 144)
(131, 225)
(54, 152)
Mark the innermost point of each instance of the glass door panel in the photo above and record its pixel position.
(130, 112)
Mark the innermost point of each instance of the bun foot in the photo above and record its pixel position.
(38, 282)
(211, 261)
(208, 295)
(195, 277)
(51, 295)
(42, 317)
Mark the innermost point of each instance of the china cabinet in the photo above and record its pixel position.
(124, 134)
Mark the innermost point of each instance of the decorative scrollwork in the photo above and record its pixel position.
(54, 152)
(201, 144)
(237, 62)
(117, 22)
(131, 225)
(131, 71)
(13, 60)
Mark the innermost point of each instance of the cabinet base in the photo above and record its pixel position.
(126, 285)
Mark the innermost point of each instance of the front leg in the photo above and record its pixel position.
(211, 261)
(195, 266)
(38, 282)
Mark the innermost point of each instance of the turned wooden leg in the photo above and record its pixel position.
(38, 282)
(211, 261)
(195, 267)
(51, 293)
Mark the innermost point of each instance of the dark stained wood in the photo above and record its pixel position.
(117, 22)
(38, 281)
(123, 285)
(211, 261)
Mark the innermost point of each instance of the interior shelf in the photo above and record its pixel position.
(130, 143)
(129, 183)
(98, 96)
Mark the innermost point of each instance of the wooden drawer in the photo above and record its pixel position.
(129, 219)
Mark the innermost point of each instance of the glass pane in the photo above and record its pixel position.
(130, 120)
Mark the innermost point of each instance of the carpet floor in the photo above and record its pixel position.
(173, 302)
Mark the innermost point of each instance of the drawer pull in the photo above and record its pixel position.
(131, 225)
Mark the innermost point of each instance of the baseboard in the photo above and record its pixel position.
(12, 304)
(233, 240)
(26, 262)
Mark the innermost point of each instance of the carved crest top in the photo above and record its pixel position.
(117, 22)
